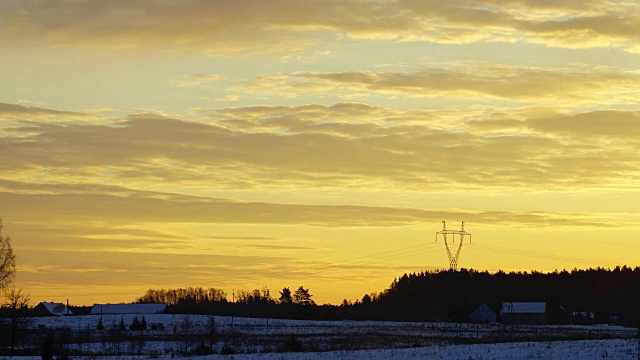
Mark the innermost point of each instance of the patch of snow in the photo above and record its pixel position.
(98, 309)
(56, 309)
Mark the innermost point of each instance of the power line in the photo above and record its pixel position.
(432, 250)
(509, 251)
(599, 242)
(389, 253)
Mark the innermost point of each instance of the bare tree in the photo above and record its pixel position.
(7, 260)
(17, 303)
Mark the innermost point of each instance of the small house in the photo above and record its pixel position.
(122, 309)
(483, 314)
(50, 309)
(531, 313)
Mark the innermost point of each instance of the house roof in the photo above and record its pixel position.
(56, 309)
(484, 307)
(524, 307)
(127, 308)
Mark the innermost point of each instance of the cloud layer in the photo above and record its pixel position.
(344, 145)
(140, 207)
(504, 83)
(274, 25)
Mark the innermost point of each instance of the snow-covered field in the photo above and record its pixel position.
(581, 349)
(180, 337)
(263, 326)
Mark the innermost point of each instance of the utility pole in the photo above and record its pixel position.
(453, 258)
(233, 296)
(212, 333)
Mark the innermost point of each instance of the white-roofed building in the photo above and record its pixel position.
(98, 309)
(50, 309)
(524, 313)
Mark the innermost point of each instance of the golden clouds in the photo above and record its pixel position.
(560, 87)
(285, 25)
(141, 207)
(26, 113)
(611, 124)
(193, 80)
(336, 146)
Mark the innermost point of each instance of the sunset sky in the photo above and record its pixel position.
(242, 144)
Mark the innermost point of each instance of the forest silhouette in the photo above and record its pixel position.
(572, 297)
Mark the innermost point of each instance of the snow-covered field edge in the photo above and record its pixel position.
(184, 336)
(615, 349)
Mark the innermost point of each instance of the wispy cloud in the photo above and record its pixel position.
(20, 112)
(134, 207)
(228, 98)
(197, 80)
(564, 87)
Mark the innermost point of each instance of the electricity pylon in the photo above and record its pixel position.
(453, 259)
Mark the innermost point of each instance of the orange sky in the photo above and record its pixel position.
(243, 144)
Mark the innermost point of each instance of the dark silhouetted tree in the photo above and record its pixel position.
(7, 259)
(135, 324)
(303, 297)
(17, 303)
(186, 329)
(285, 296)
(366, 299)
(255, 296)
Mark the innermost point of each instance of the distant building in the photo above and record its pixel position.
(533, 313)
(50, 309)
(583, 317)
(614, 319)
(98, 309)
(483, 314)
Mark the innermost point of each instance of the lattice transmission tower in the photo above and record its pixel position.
(453, 259)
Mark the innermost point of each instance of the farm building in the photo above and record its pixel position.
(50, 309)
(524, 313)
(98, 309)
(483, 314)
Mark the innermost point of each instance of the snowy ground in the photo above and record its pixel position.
(581, 349)
(263, 326)
(252, 338)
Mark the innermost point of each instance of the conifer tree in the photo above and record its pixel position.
(285, 296)
(303, 297)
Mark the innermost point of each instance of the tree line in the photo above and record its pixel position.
(200, 295)
(250, 303)
(191, 295)
(611, 295)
